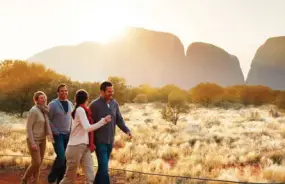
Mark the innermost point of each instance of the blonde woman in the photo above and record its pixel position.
(37, 129)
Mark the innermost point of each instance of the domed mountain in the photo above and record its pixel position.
(140, 56)
(144, 56)
(268, 64)
(209, 63)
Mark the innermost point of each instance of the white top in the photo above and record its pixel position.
(80, 128)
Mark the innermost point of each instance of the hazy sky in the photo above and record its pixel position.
(238, 26)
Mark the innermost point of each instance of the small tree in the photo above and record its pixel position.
(177, 105)
(18, 82)
(207, 93)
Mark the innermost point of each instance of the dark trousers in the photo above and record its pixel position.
(59, 165)
(103, 152)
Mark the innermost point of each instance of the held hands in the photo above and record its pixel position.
(108, 119)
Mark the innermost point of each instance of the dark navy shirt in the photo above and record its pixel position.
(64, 105)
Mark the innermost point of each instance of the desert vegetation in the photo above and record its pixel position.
(20, 79)
(239, 145)
(233, 133)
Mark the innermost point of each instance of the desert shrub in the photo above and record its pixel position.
(277, 157)
(254, 116)
(207, 94)
(274, 113)
(177, 105)
(232, 94)
(164, 91)
(140, 98)
(148, 120)
(169, 154)
(280, 100)
(150, 92)
(256, 95)
(229, 105)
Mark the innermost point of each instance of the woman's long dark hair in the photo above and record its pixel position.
(80, 98)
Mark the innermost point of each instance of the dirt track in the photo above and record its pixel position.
(12, 176)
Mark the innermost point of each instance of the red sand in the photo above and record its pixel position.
(10, 176)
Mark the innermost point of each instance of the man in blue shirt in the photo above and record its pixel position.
(60, 122)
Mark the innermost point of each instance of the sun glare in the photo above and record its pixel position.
(104, 24)
(108, 33)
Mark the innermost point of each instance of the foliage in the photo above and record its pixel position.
(140, 98)
(177, 105)
(256, 95)
(280, 100)
(150, 92)
(232, 94)
(207, 93)
(165, 91)
(19, 80)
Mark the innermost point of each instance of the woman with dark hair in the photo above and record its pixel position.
(37, 128)
(81, 141)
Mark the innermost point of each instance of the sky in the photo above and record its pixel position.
(237, 26)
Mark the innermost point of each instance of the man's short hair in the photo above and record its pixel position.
(105, 84)
(61, 86)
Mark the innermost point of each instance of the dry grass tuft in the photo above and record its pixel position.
(233, 143)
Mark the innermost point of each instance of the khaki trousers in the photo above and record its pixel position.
(36, 160)
(78, 155)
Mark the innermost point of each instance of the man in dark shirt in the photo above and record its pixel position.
(104, 136)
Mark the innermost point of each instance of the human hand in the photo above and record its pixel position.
(130, 135)
(34, 147)
(108, 119)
